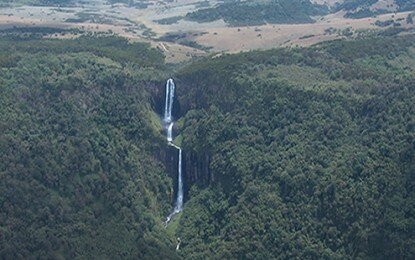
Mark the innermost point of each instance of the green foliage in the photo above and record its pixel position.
(173, 225)
(78, 172)
(115, 48)
(136, 3)
(311, 150)
(362, 13)
(349, 5)
(384, 23)
(259, 12)
(410, 18)
(37, 2)
(169, 20)
(405, 5)
(363, 8)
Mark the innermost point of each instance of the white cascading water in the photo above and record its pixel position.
(170, 87)
(170, 133)
(169, 124)
(179, 201)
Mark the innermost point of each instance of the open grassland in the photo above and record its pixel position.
(268, 36)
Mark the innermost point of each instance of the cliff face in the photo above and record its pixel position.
(169, 156)
(195, 166)
(197, 169)
(158, 99)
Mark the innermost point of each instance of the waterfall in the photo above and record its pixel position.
(170, 133)
(179, 201)
(169, 101)
(169, 124)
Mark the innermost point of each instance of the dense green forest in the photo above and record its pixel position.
(78, 174)
(312, 152)
(239, 13)
(301, 153)
(259, 12)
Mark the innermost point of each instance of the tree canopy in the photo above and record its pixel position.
(312, 152)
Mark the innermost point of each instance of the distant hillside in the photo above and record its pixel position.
(260, 12)
(135, 3)
(37, 2)
(251, 12)
(367, 8)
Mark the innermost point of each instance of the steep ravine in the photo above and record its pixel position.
(195, 166)
(168, 125)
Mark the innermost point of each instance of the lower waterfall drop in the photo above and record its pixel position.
(178, 207)
(179, 201)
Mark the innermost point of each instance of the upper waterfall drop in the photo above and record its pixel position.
(170, 87)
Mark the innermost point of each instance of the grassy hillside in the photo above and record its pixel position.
(259, 12)
(312, 152)
(78, 172)
(366, 8)
(239, 13)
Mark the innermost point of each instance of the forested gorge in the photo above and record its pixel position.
(307, 153)
(79, 175)
(311, 152)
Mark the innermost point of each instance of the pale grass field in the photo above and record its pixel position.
(236, 39)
